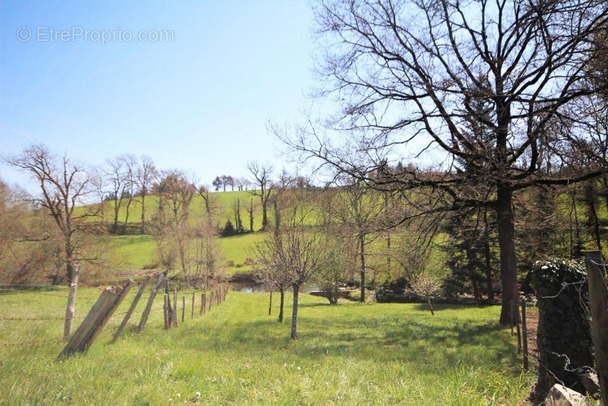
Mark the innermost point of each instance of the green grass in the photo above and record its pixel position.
(132, 252)
(350, 354)
(136, 252)
(238, 249)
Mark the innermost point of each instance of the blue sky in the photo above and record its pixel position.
(194, 92)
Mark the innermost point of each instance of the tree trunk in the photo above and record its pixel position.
(281, 304)
(117, 204)
(508, 259)
(73, 273)
(251, 216)
(127, 212)
(143, 213)
(488, 258)
(294, 314)
(270, 304)
(264, 215)
(362, 257)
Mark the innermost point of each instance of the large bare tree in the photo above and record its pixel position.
(63, 184)
(411, 76)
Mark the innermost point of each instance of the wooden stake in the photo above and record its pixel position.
(125, 320)
(146, 313)
(525, 332)
(174, 312)
(183, 308)
(166, 311)
(193, 297)
(98, 316)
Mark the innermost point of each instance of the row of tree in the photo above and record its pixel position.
(57, 227)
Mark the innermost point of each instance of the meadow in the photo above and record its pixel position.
(236, 354)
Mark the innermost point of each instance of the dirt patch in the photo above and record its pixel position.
(532, 327)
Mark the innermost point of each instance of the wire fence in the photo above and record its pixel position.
(8, 332)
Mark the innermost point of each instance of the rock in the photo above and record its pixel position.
(560, 395)
(591, 383)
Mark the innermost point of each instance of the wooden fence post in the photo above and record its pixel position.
(125, 320)
(146, 313)
(598, 297)
(174, 312)
(210, 300)
(203, 303)
(166, 311)
(96, 319)
(183, 308)
(193, 298)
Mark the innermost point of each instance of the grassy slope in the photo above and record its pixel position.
(135, 252)
(237, 354)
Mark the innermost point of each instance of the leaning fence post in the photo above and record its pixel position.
(146, 313)
(96, 319)
(125, 320)
(598, 297)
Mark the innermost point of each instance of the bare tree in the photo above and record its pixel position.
(28, 241)
(128, 191)
(297, 253)
(172, 231)
(145, 175)
(63, 184)
(297, 250)
(410, 75)
(115, 173)
(359, 213)
(261, 174)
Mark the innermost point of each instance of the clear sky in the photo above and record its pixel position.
(192, 84)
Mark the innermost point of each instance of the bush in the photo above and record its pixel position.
(354, 295)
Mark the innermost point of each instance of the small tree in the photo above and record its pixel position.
(261, 174)
(296, 251)
(427, 286)
(63, 184)
(144, 177)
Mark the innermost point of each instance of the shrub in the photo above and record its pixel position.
(354, 295)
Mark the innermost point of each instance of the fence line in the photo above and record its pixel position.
(208, 299)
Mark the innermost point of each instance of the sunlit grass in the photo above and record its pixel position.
(237, 354)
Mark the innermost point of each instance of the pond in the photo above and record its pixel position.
(246, 287)
(250, 287)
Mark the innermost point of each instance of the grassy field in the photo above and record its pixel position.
(137, 252)
(350, 354)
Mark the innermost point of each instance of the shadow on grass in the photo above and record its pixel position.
(336, 331)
